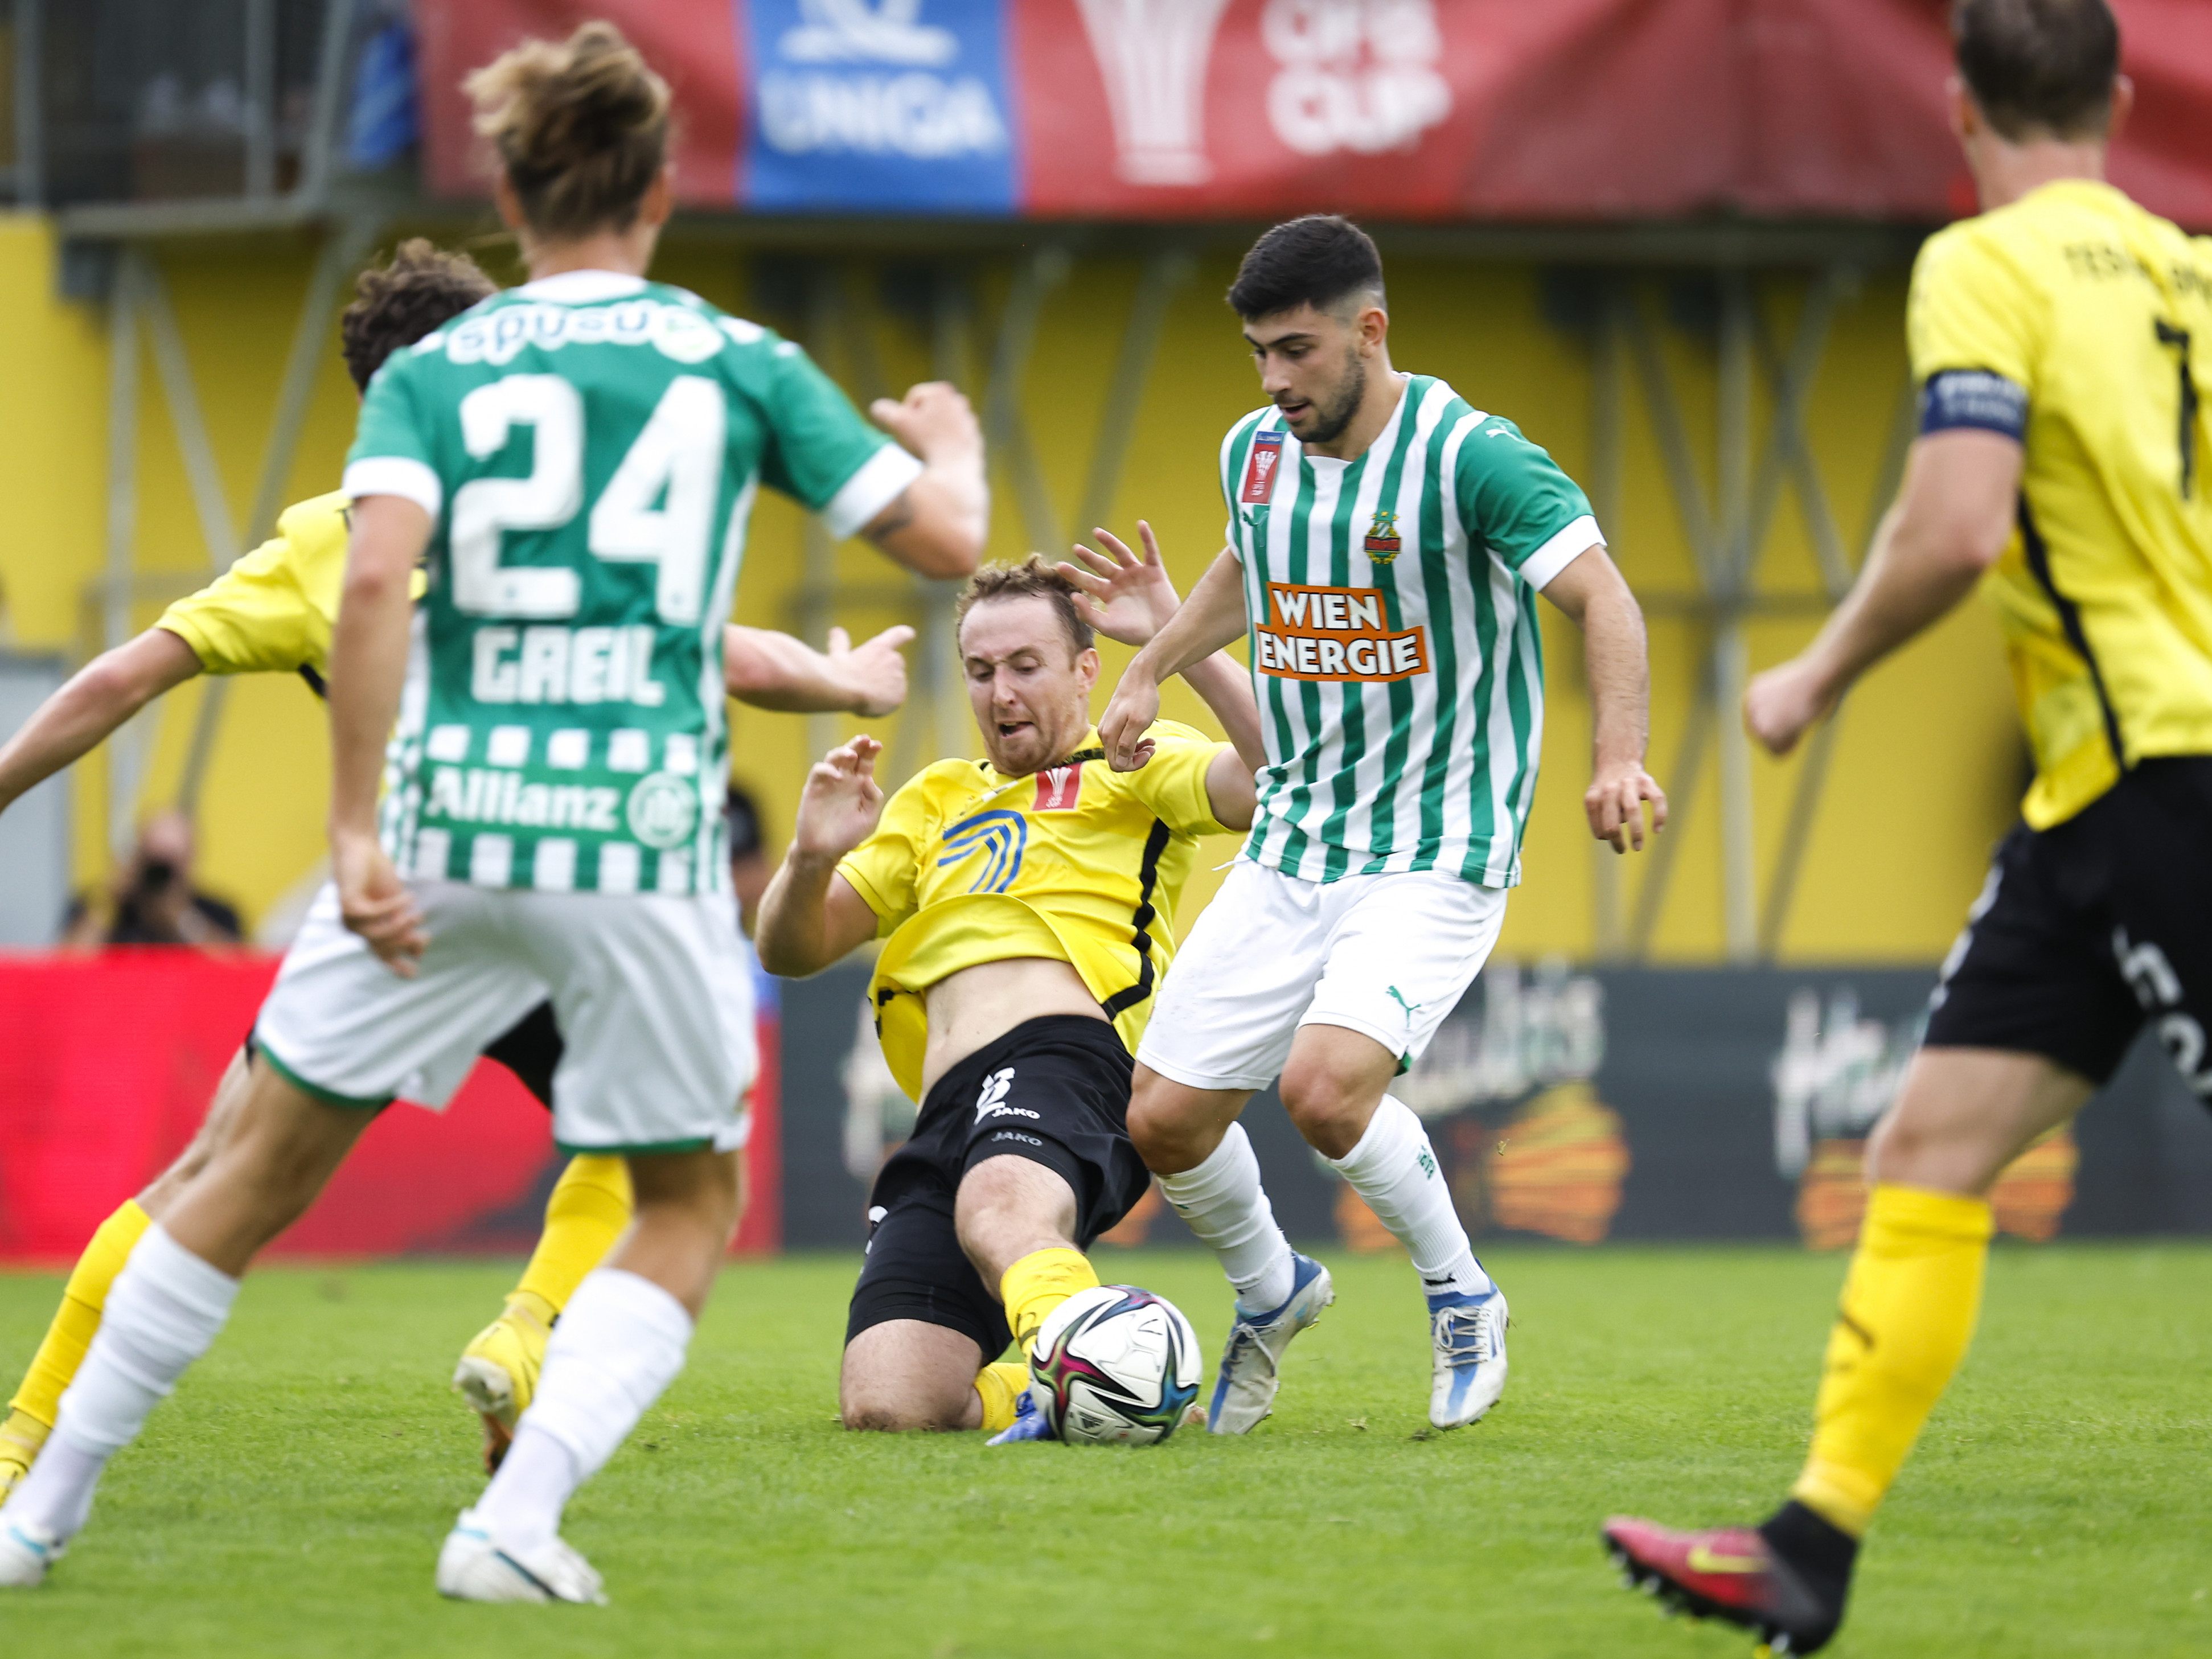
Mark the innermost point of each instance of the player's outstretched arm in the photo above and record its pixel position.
(1952, 516)
(936, 525)
(369, 666)
(1131, 599)
(99, 698)
(811, 916)
(1210, 619)
(1591, 590)
(764, 669)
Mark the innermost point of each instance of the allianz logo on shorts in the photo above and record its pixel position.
(991, 1101)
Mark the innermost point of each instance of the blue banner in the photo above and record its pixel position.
(878, 106)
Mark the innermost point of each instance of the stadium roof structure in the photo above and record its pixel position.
(1749, 143)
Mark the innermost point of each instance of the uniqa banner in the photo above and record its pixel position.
(1402, 109)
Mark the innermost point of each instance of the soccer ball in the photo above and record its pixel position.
(1115, 1366)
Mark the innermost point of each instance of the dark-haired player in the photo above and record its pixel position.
(1026, 903)
(1387, 542)
(2063, 341)
(271, 612)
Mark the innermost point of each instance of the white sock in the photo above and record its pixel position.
(163, 1311)
(620, 1342)
(1222, 1201)
(1394, 1169)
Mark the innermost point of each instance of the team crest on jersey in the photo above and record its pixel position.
(663, 810)
(1261, 465)
(1058, 788)
(1382, 543)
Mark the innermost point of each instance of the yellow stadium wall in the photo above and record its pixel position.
(1926, 765)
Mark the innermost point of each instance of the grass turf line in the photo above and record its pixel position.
(290, 1498)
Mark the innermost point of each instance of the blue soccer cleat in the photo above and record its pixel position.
(1468, 1335)
(1029, 1424)
(1244, 1392)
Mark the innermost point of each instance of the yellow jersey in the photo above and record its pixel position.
(2080, 324)
(272, 610)
(1078, 862)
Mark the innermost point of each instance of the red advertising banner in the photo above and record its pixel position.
(107, 1067)
(1420, 110)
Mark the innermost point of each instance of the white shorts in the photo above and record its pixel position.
(1387, 955)
(651, 992)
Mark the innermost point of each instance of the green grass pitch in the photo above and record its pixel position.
(290, 1498)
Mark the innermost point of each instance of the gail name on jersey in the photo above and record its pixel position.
(552, 664)
(1335, 634)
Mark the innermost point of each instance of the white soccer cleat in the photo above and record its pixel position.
(1468, 1335)
(26, 1552)
(472, 1568)
(1244, 1391)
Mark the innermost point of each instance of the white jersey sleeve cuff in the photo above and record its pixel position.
(1562, 551)
(878, 482)
(395, 475)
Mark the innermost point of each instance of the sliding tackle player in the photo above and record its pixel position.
(1026, 903)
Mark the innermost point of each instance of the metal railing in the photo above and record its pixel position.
(152, 103)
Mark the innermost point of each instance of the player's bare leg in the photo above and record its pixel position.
(1909, 1307)
(1334, 1088)
(907, 1374)
(1016, 1221)
(171, 1301)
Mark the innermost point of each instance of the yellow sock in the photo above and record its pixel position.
(1037, 1283)
(590, 1206)
(78, 1318)
(999, 1386)
(1909, 1307)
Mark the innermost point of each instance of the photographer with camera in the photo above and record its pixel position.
(152, 900)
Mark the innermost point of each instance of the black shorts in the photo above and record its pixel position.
(1054, 1091)
(531, 1050)
(2088, 929)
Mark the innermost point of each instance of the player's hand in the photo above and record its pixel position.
(376, 904)
(1614, 804)
(872, 671)
(1781, 705)
(1136, 706)
(933, 419)
(1131, 597)
(839, 807)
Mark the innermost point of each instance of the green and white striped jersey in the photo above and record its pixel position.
(1393, 643)
(588, 448)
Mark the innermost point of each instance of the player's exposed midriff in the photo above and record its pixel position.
(982, 1004)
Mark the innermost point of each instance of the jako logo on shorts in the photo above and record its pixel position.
(991, 1102)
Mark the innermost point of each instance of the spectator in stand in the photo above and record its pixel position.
(152, 900)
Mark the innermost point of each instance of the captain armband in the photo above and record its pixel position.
(1976, 399)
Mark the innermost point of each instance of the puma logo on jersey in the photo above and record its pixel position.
(991, 1102)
